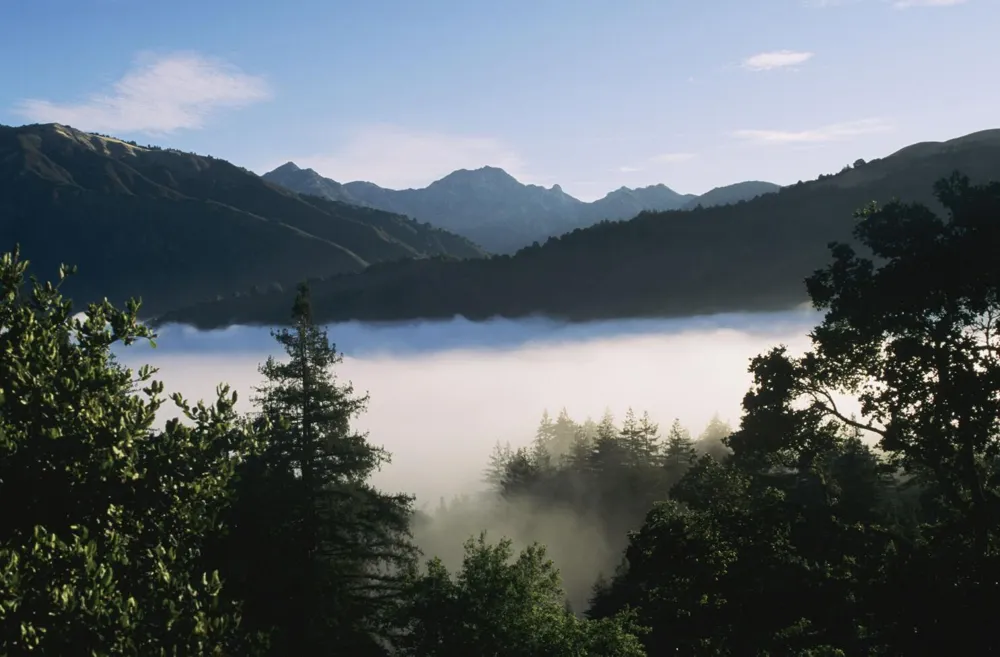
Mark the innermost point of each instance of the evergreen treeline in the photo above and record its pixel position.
(587, 483)
(223, 534)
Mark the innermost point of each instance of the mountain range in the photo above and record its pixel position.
(748, 256)
(176, 228)
(495, 210)
(208, 243)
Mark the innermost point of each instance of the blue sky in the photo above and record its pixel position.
(590, 94)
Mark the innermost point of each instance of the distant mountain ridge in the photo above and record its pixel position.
(495, 210)
(177, 228)
(748, 256)
(729, 194)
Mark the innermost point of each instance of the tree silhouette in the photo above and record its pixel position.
(321, 550)
(806, 541)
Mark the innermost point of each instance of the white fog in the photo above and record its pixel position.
(443, 393)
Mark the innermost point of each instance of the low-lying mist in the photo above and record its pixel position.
(444, 393)
(574, 541)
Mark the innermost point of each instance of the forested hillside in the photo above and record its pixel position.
(804, 532)
(749, 256)
(177, 228)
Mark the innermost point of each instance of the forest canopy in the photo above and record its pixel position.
(802, 531)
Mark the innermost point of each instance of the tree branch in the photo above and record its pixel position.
(829, 406)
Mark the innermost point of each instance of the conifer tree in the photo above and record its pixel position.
(609, 454)
(581, 450)
(322, 550)
(588, 429)
(522, 474)
(712, 440)
(679, 452)
(564, 432)
(496, 467)
(544, 442)
(640, 437)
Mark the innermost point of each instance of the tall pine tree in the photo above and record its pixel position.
(320, 550)
(679, 452)
(640, 436)
(544, 442)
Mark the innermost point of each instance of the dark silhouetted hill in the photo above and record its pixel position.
(179, 228)
(742, 191)
(748, 256)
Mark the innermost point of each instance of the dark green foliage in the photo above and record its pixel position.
(750, 256)
(750, 562)
(609, 477)
(177, 228)
(807, 532)
(678, 452)
(497, 605)
(102, 517)
(316, 552)
(807, 541)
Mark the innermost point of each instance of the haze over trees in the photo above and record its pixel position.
(811, 533)
(576, 483)
(503, 215)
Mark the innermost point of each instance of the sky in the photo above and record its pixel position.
(589, 94)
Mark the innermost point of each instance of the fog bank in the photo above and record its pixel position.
(442, 393)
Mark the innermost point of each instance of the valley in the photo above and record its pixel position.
(464, 329)
(235, 245)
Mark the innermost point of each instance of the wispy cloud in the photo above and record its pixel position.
(396, 157)
(160, 94)
(906, 4)
(629, 169)
(766, 61)
(827, 133)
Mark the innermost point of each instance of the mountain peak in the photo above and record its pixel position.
(482, 177)
(287, 167)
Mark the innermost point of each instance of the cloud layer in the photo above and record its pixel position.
(398, 158)
(160, 94)
(442, 393)
(767, 61)
(827, 133)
